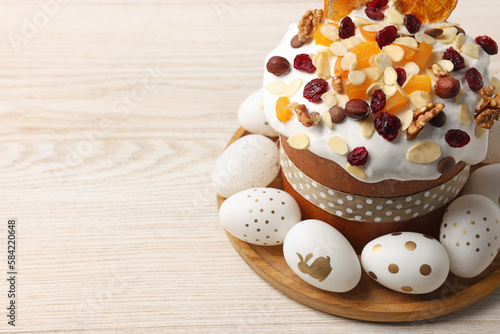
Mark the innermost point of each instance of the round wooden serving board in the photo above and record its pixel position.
(369, 301)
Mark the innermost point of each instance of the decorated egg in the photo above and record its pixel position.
(470, 233)
(322, 256)
(485, 181)
(252, 117)
(251, 161)
(406, 262)
(260, 216)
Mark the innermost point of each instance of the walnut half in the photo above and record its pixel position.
(489, 111)
(306, 118)
(421, 117)
(309, 23)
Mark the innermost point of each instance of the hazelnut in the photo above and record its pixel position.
(337, 114)
(295, 42)
(447, 87)
(278, 66)
(357, 109)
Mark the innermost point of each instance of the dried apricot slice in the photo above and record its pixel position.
(426, 10)
(364, 51)
(419, 82)
(358, 92)
(320, 38)
(424, 52)
(282, 111)
(338, 9)
(395, 102)
(338, 68)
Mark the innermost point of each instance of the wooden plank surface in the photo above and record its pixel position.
(112, 115)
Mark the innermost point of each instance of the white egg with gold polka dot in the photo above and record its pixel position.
(406, 262)
(470, 232)
(260, 216)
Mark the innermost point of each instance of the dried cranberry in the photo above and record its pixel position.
(401, 76)
(387, 125)
(374, 13)
(358, 157)
(474, 79)
(378, 3)
(455, 57)
(347, 28)
(488, 44)
(386, 36)
(412, 23)
(457, 138)
(314, 89)
(303, 62)
(378, 101)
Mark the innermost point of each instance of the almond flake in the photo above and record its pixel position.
(383, 61)
(411, 68)
(374, 86)
(389, 91)
(430, 73)
(341, 99)
(362, 20)
(322, 63)
(339, 49)
(371, 61)
(459, 41)
(406, 119)
(446, 64)
(357, 78)
(480, 132)
(367, 127)
(471, 50)
(373, 27)
(356, 171)
(299, 141)
(293, 87)
(372, 73)
(458, 99)
(420, 37)
(448, 36)
(390, 76)
(396, 53)
(354, 66)
(424, 152)
(347, 61)
(393, 17)
(338, 145)
(353, 41)
(435, 57)
(328, 119)
(496, 83)
(464, 114)
(276, 88)
(407, 41)
(330, 31)
(420, 99)
(260, 105)
(329, 99)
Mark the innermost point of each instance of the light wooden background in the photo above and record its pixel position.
(107, 166)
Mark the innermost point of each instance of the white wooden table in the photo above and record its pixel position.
(112, 115)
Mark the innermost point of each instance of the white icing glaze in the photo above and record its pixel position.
(387, 160)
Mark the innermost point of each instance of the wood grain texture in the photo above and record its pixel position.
(107, 167)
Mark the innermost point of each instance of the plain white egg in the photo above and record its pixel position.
(485, 181)
(252, 117)
(250, 162)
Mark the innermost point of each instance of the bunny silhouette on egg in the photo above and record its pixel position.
(319, 269)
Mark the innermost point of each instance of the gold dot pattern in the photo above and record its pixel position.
(407, 288)
(377, 248)
(372, 275)
(364, 209)
(393, 268)
(410, 245)
(425, 270)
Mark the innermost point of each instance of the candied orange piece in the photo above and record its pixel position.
(395, 102)
(364, 51)
(410, 53)
(338, 68)
(338, 9)
(370, 36)
(419, 82)
(320, 38)
(426, 10)
(424, 52)
(358, 92)
(282, 111)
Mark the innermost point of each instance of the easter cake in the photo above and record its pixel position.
(381, 109)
